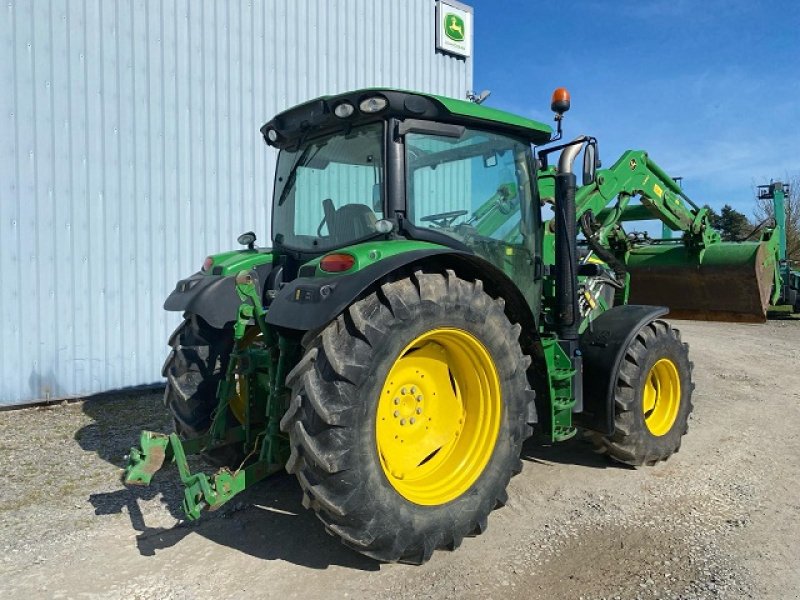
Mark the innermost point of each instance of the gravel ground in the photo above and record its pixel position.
(719, 520)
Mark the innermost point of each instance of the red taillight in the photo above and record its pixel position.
(336, 263)
(207, 264)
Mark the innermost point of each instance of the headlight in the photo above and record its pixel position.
(373, 104)
(343, 110)
(272, 135)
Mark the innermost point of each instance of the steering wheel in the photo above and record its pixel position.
(444, 219)
(330, 212)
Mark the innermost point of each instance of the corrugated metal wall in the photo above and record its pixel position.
(129, 149)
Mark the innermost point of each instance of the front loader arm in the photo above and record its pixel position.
(696, 276)
(634, 174)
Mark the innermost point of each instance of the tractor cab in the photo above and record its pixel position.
(383, 164)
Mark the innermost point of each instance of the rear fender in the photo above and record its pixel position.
(212, 297)
(603, 346)
(308, 303)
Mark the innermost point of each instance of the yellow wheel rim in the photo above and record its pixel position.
(438, 416)
(661, 398)
(238, 399)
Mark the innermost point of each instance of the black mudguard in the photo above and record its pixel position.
(213, 297)
(308, 303)
(603, 347)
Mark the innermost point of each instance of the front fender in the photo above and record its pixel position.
(603, 346)
(308, 303)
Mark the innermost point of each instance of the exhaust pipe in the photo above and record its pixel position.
(566, 258)
(567, 266)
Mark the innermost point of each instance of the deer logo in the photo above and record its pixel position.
(454, 27)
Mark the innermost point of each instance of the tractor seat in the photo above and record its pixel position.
(352, 222)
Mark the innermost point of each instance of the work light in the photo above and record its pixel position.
(373, 104)
(343, 110)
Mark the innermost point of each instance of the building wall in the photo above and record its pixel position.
(129, 150)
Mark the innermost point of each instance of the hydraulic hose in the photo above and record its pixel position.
(604, 253)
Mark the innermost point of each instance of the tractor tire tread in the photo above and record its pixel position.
(631, 443)
(329, 408)
(193, 368)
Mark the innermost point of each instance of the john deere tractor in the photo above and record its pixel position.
(417, 314)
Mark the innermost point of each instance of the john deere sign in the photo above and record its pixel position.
(453, 28)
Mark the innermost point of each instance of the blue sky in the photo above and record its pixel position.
(710, 89)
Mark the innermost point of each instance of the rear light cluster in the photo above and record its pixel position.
(337, 263)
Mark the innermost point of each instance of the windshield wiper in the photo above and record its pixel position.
(304, 158)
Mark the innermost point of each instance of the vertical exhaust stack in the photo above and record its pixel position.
(566, 264)
(566, 258)
(566, 243)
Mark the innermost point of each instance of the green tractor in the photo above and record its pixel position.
(415, 317)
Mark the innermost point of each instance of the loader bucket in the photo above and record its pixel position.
(728, 281)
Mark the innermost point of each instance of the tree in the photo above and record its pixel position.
(731, 224)
(764, 210)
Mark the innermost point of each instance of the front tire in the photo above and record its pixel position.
(652, 398)
(395, 464)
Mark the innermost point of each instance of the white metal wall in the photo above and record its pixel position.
(129, 150)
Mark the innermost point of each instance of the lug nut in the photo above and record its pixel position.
(397, 400)
(413, 389)
(396, 413)
(419, 410)
(403, 391)
(419, 398)
(402, 421)
(413, 420)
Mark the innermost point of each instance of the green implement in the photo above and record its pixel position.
(723, 282)
(698, 276)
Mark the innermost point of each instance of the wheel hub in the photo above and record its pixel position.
(438, 416)
(661, 397)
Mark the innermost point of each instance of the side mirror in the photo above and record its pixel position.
(247, 239)
(590, 164)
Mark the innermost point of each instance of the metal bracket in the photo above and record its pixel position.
(200, 490)
(143, 462)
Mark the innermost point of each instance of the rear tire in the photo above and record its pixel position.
(794, 299)
(334, 425)
(652, 398)
(195, 366)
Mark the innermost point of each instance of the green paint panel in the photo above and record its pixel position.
(560, 374)
(369, 253)
(238, 260)
(478, 111)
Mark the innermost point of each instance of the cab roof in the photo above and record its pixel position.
(317, 116)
